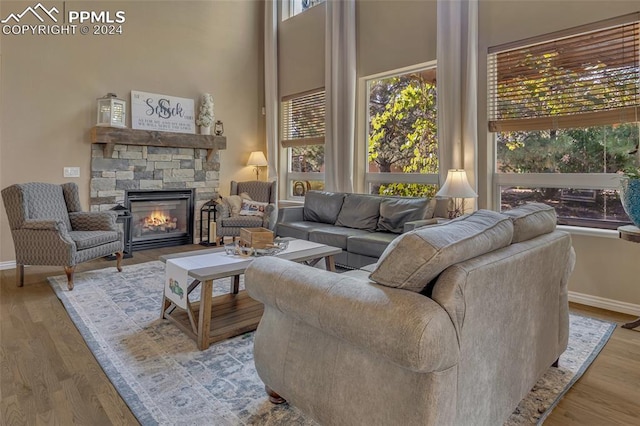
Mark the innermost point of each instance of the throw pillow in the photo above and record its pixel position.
(360, 212)
(531, 220)
(234, 203)
(252, 208)
(322, 206)
(394, 212)
(415, 258)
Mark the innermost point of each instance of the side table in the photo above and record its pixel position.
(630, 233)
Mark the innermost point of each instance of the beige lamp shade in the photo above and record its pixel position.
(457, 185)
(257, 159)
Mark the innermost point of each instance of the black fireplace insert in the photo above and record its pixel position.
(160, 218)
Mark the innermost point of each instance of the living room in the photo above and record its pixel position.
(49, 86)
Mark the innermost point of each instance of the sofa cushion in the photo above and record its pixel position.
(394, 212)
(413, 259)
(322, 206)
(299, 229)
(335, 236)
(241, 221)
(371, 244)
(360, 211)
(531, 220)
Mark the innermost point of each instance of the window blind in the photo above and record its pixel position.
(303, 118)
(589, 78)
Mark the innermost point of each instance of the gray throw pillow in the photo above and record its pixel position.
(415, 258)
(322, 206)
(395, 212)
(360, 211)
(531, 220)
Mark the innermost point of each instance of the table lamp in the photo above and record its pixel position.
(257, 160)
(457, 188)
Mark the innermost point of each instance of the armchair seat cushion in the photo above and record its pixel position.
(87, 239)
(241, 222)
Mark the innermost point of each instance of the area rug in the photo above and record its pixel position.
(166, 380)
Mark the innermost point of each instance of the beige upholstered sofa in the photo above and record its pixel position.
(452, 326)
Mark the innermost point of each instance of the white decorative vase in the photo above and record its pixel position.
(205, 130)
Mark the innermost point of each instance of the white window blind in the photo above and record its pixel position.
(303, 118)
(577, 78)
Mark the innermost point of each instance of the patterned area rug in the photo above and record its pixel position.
(166, 380)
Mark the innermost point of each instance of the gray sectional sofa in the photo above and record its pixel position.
(361, 225)
(452, 326)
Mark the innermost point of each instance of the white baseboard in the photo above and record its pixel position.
(8, 265)
(603, 303)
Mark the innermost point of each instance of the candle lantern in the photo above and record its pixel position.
(112, 111)
(208, 235)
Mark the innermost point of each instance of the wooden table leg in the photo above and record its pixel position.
(204, 318)
(235, 284)
(330, 263)
(165, 304)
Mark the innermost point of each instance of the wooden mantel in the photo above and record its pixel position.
(110, 136)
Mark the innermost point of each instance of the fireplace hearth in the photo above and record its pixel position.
(160, 218)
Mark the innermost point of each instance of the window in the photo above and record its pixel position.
(302, 123)
(295, 7)
(402, 140)
(564, 112)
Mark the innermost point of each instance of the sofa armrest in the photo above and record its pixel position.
(290, 214)
(415, 224)
(268, 220)
(404, 327)
(93, 221)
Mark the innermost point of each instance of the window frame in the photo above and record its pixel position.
(288, 8)
(370, 178)
(593, 181)
(286, 146)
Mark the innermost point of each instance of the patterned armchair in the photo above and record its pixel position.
(49, 228)
(265, 192)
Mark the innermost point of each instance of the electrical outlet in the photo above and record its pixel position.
(71, 172)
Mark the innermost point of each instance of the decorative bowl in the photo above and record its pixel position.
(231, 249)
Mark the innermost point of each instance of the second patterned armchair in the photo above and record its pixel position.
(230, 219)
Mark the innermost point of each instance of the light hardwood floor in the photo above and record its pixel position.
(49, 376)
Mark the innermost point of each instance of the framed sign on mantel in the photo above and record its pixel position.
(163, 113)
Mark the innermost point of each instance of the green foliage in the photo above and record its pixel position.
(602, 149)
(403, 130)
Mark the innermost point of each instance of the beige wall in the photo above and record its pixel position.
(605, 267)
(49, 84)
(394, 34)
(301, 52)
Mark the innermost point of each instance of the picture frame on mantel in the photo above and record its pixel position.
(162, 113)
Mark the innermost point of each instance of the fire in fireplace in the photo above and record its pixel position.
(160, 218)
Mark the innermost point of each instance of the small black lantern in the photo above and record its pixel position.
(208, 224)
(218, 128)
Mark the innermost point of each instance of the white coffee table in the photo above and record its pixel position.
(234, 313)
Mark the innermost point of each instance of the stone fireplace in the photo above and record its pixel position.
(127, 160)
